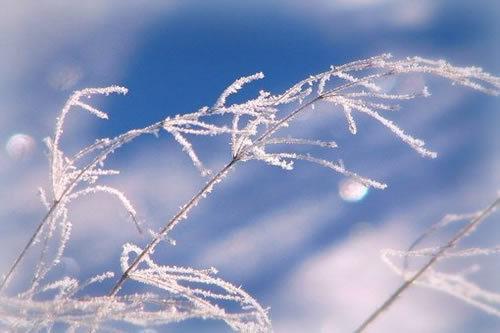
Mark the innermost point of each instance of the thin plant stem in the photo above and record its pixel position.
(56, 203)
(7, 276)
(452, 243)
(202, 193)
(171, 224)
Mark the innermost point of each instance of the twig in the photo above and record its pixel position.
(56, 203)
(171, 224)
(452, 243)
(207, 188)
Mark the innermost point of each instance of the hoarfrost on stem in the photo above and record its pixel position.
(255, 129)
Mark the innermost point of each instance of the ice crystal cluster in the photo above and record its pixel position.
(255, 132)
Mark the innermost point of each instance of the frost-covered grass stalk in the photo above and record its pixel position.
(255, 131)
(455, 284)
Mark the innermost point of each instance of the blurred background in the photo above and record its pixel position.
(301, 242)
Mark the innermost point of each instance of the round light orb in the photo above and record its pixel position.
(20, 146)
(352, 190)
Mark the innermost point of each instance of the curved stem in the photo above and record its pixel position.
(27, 246)
(202, 193)
(118, 142)
(452, 243)
(171, 224)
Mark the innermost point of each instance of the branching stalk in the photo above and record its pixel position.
(202, 193)
(56, 203)
(452, 243)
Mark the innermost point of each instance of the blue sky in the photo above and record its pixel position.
(286, 237)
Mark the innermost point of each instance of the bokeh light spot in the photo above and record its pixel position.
(352, 191)
(20, 146)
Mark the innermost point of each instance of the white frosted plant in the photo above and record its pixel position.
(255, 129)
(457, 283)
